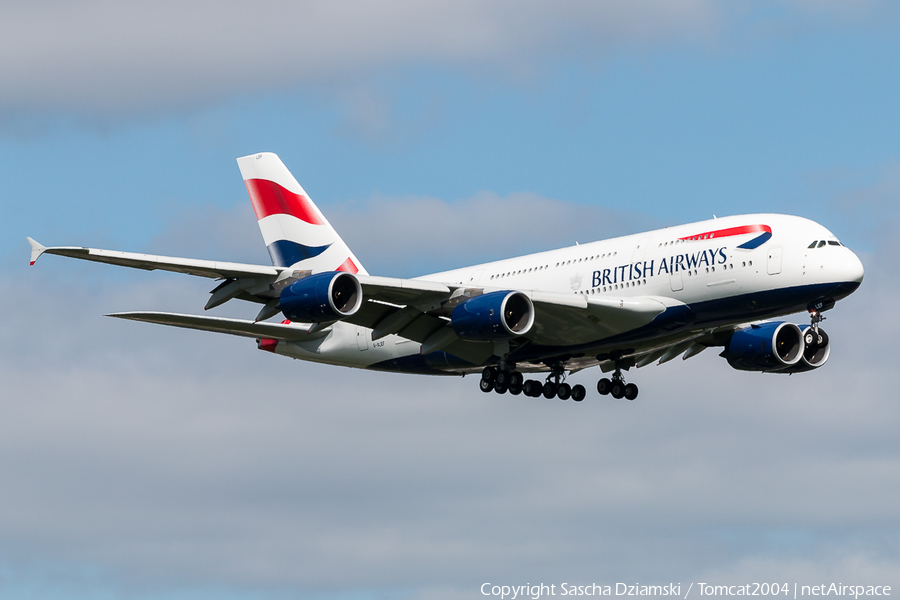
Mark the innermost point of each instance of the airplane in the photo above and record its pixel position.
(619, 303)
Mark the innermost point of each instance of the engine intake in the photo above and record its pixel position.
(495, 316)
(816, 350)
(767, 347)
(321, 297)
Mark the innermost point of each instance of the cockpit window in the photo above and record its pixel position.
(833, 243)
(821, 243)
(813, 245)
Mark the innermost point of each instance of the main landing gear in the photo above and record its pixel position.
(503, 380)
(617, 386)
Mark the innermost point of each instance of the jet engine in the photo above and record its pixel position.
(816, 350)
(495, 316)
(766, 347)
(321, 298)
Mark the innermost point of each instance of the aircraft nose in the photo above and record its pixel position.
(848, 273)
(854, 267)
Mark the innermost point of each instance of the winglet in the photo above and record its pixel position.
(36, 250)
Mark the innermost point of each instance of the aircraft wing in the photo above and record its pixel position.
(289, 332)
(249, 282)
(419, 311)
(149, 262)
(412, 308)
(563, 319)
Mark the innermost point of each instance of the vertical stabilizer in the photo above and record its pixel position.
(295, 231)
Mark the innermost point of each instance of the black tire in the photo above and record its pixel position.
(809, 337)
(489, 374)
(486, 386)
(500, 389)
(631, 391)
(549, 390)
(564, 391)
(604, 386)
(578, 393)
(532, 388)
(516, 378)
(515, 390)
(502, 378)
(618, 389)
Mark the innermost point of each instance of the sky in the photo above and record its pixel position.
(154, 463)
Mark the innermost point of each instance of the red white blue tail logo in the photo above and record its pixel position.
(295, 231)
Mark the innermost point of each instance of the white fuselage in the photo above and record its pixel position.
(698, 265)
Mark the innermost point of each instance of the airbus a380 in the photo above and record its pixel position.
(619, 303)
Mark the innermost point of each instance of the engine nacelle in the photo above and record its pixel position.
(495, 316)
(321, 297)
(766, 347)
(816, 350)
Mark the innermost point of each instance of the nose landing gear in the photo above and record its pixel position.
(814, 335)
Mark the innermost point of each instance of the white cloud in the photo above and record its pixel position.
(122, 57)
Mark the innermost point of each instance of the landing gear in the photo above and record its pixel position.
(578, 393)
(631, 391)
(814, 335)
(556, 386)
(604, 386)
(501, 381)
(532, 388)
(504, 380)
(617, 387)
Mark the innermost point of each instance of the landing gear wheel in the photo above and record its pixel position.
(578, 393)
(486, 385)
(604, 386)
(503, 378)
(515, 390)
(500, 389)
(489, 374)
(564, 391)
(532, 388)
(618, 389)
(516, 379)
(631, 391)
(549, 390)
(809, 337)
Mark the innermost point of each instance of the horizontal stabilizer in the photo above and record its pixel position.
(289, 332)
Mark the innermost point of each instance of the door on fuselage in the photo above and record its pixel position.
(362, 338)
(773, 266)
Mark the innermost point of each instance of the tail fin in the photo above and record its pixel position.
(295, 231)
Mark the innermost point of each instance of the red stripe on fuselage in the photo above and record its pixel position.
(348, 266)
(720, 233)
(269, 198)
